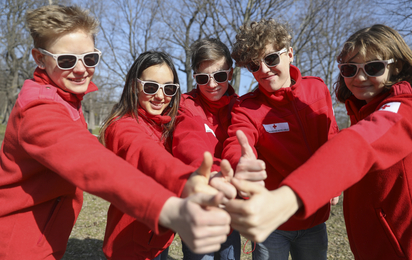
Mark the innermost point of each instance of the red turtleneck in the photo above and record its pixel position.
(202, 126)
(133, 140)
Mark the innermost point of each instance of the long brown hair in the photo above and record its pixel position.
(382, 41)
(129, 101)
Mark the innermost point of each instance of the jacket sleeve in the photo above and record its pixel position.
(51, 137)
(129, 140)
(376, 143)
(190, 141)
(240, 121)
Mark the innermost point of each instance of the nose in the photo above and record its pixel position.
(361, 75)
(159, 94)
(212, 82)
(79, 68)
(264, 67)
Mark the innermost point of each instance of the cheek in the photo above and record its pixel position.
(168, 100)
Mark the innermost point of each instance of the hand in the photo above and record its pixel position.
(199, 222)
(334, 201)
(199, 180)
(264, 211)
(222, 180)
(249, 168)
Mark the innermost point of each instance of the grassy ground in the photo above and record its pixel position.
(87, 237)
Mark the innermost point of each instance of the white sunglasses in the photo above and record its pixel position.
(69, 61)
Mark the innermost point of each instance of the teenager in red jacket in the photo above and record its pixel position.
(142, 121)
(204, 119)
(285, 120)
(371, 161)
(48, 156)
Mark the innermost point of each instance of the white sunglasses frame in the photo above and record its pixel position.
(263, 60)
(78, 57)
(161, 86)
(362, 66)
(210, 75)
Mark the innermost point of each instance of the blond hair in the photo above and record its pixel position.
(47, 23)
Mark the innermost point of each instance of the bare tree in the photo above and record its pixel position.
(15, 51)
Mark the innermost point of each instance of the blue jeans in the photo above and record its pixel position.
(309, 244)
(163, 255)
(229, 250)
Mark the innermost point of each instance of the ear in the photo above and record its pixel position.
(398, 67)
(230, 74)
(290, 54)
(38, 58)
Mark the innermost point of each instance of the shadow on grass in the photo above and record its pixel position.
(90, 249)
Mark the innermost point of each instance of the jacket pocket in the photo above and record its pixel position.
(389, 233)
(50, 219)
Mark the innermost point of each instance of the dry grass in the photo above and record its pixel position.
(87, 237)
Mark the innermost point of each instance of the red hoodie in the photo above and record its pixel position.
(285, 128)
(127, 238)
(372, 162)
(47, 158)
(202, 126)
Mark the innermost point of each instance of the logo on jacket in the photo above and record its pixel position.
(276, 128)
(209, 130)
(391, 107)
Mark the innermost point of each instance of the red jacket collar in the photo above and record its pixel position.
(284, 95)
(359, 109)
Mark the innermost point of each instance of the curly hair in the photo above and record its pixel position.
(47, 23)
(252, 39)
(380, 41)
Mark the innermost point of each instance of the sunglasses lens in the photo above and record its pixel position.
(375, 69)
(91, 59)
(202, 79)
(272, 60)
(348, 70)
(170, 90)
(253, 67)
(150, 88)
(66, 61)
(220, 76)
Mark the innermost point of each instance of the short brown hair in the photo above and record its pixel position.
(46, 23)
(253, 38)
(209, 49)
(379, 40)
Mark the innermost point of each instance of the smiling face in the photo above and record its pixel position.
(362, 86)
(77, 79)
(213, 90)
(276, 77)
(156, 103)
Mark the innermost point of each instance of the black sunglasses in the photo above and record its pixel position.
(271, 60)
(219, 76)
(151, 88)
(372, 69)
(69, 61)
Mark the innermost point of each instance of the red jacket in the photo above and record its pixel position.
(372, 162)
(47, 158)
(285, 128)
(126, 237)
(202, 126)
